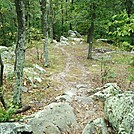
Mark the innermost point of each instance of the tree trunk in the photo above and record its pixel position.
(90, 31)
(50, 20)
(1, 83)
(27, 18)
(129, 5)
(20, 53)
(89, 40)
(62, 18)
(71, 10)
(45, 31)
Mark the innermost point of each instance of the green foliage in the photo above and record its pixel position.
(132, 61)
(106, 72)
(121, 29)
(35, 34)
(131, 71)
(6, 115)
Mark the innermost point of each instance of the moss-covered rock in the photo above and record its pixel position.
(119, 110)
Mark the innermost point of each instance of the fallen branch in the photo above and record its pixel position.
(23, 109)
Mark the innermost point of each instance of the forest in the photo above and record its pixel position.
(59, 55)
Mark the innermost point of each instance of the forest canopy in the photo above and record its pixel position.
(113, 20)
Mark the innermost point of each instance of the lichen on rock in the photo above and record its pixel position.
(119, 110)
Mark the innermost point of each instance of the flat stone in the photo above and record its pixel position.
(60, 115)
(15, 128)
(97, 126)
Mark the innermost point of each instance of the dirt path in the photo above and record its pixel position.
(73, 74)
(75, 80)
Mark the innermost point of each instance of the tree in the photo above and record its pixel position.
(20, 53)
(45, 30)
(50, 20)
(91, 30)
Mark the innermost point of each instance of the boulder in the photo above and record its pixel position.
(72, 34)
(15, 128)
(63, 41)
(3, 48)
(77, 34)
(109, 89)
(54, 119)
(97, 126)
(119, 110)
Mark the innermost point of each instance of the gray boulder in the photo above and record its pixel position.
(77, 34)
(54, 119)
(97, 126)
(3, 48)
(119, 110)
(63, 41)
(15, 128)
(71, 34)
(109, 89)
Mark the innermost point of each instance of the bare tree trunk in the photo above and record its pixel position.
(89, 40)
(1, 83)
(50, 20)
(27, 18)
(62, 17)
(90, 31)
(71, 10)
(20, 53)
(45, 31)
(129, 6)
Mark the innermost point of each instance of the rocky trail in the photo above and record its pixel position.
(76, 92)
(73, 104)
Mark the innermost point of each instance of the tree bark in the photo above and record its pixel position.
(129, 5)
(90, 34)
(71, 10)
(90, 31)
(20, 53)
(62, 17)
(45, 31)
(50, 20)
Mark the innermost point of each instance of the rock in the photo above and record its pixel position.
(84, 100)
(119, 110)
(81, 86)
(105, 40)
(63, 98)
(109, 89)
(77, 34)
(3, 48)
(62, 38)
(97, 126)
(9, 70)
(63, 41)
(42, 70)
(24, 89)
(71, 34)
(34, 75)
(15, 128)
(57, 117)
(76, 39)
(55, 41)
(71, 92)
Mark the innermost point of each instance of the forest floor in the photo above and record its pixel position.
(70, 70)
